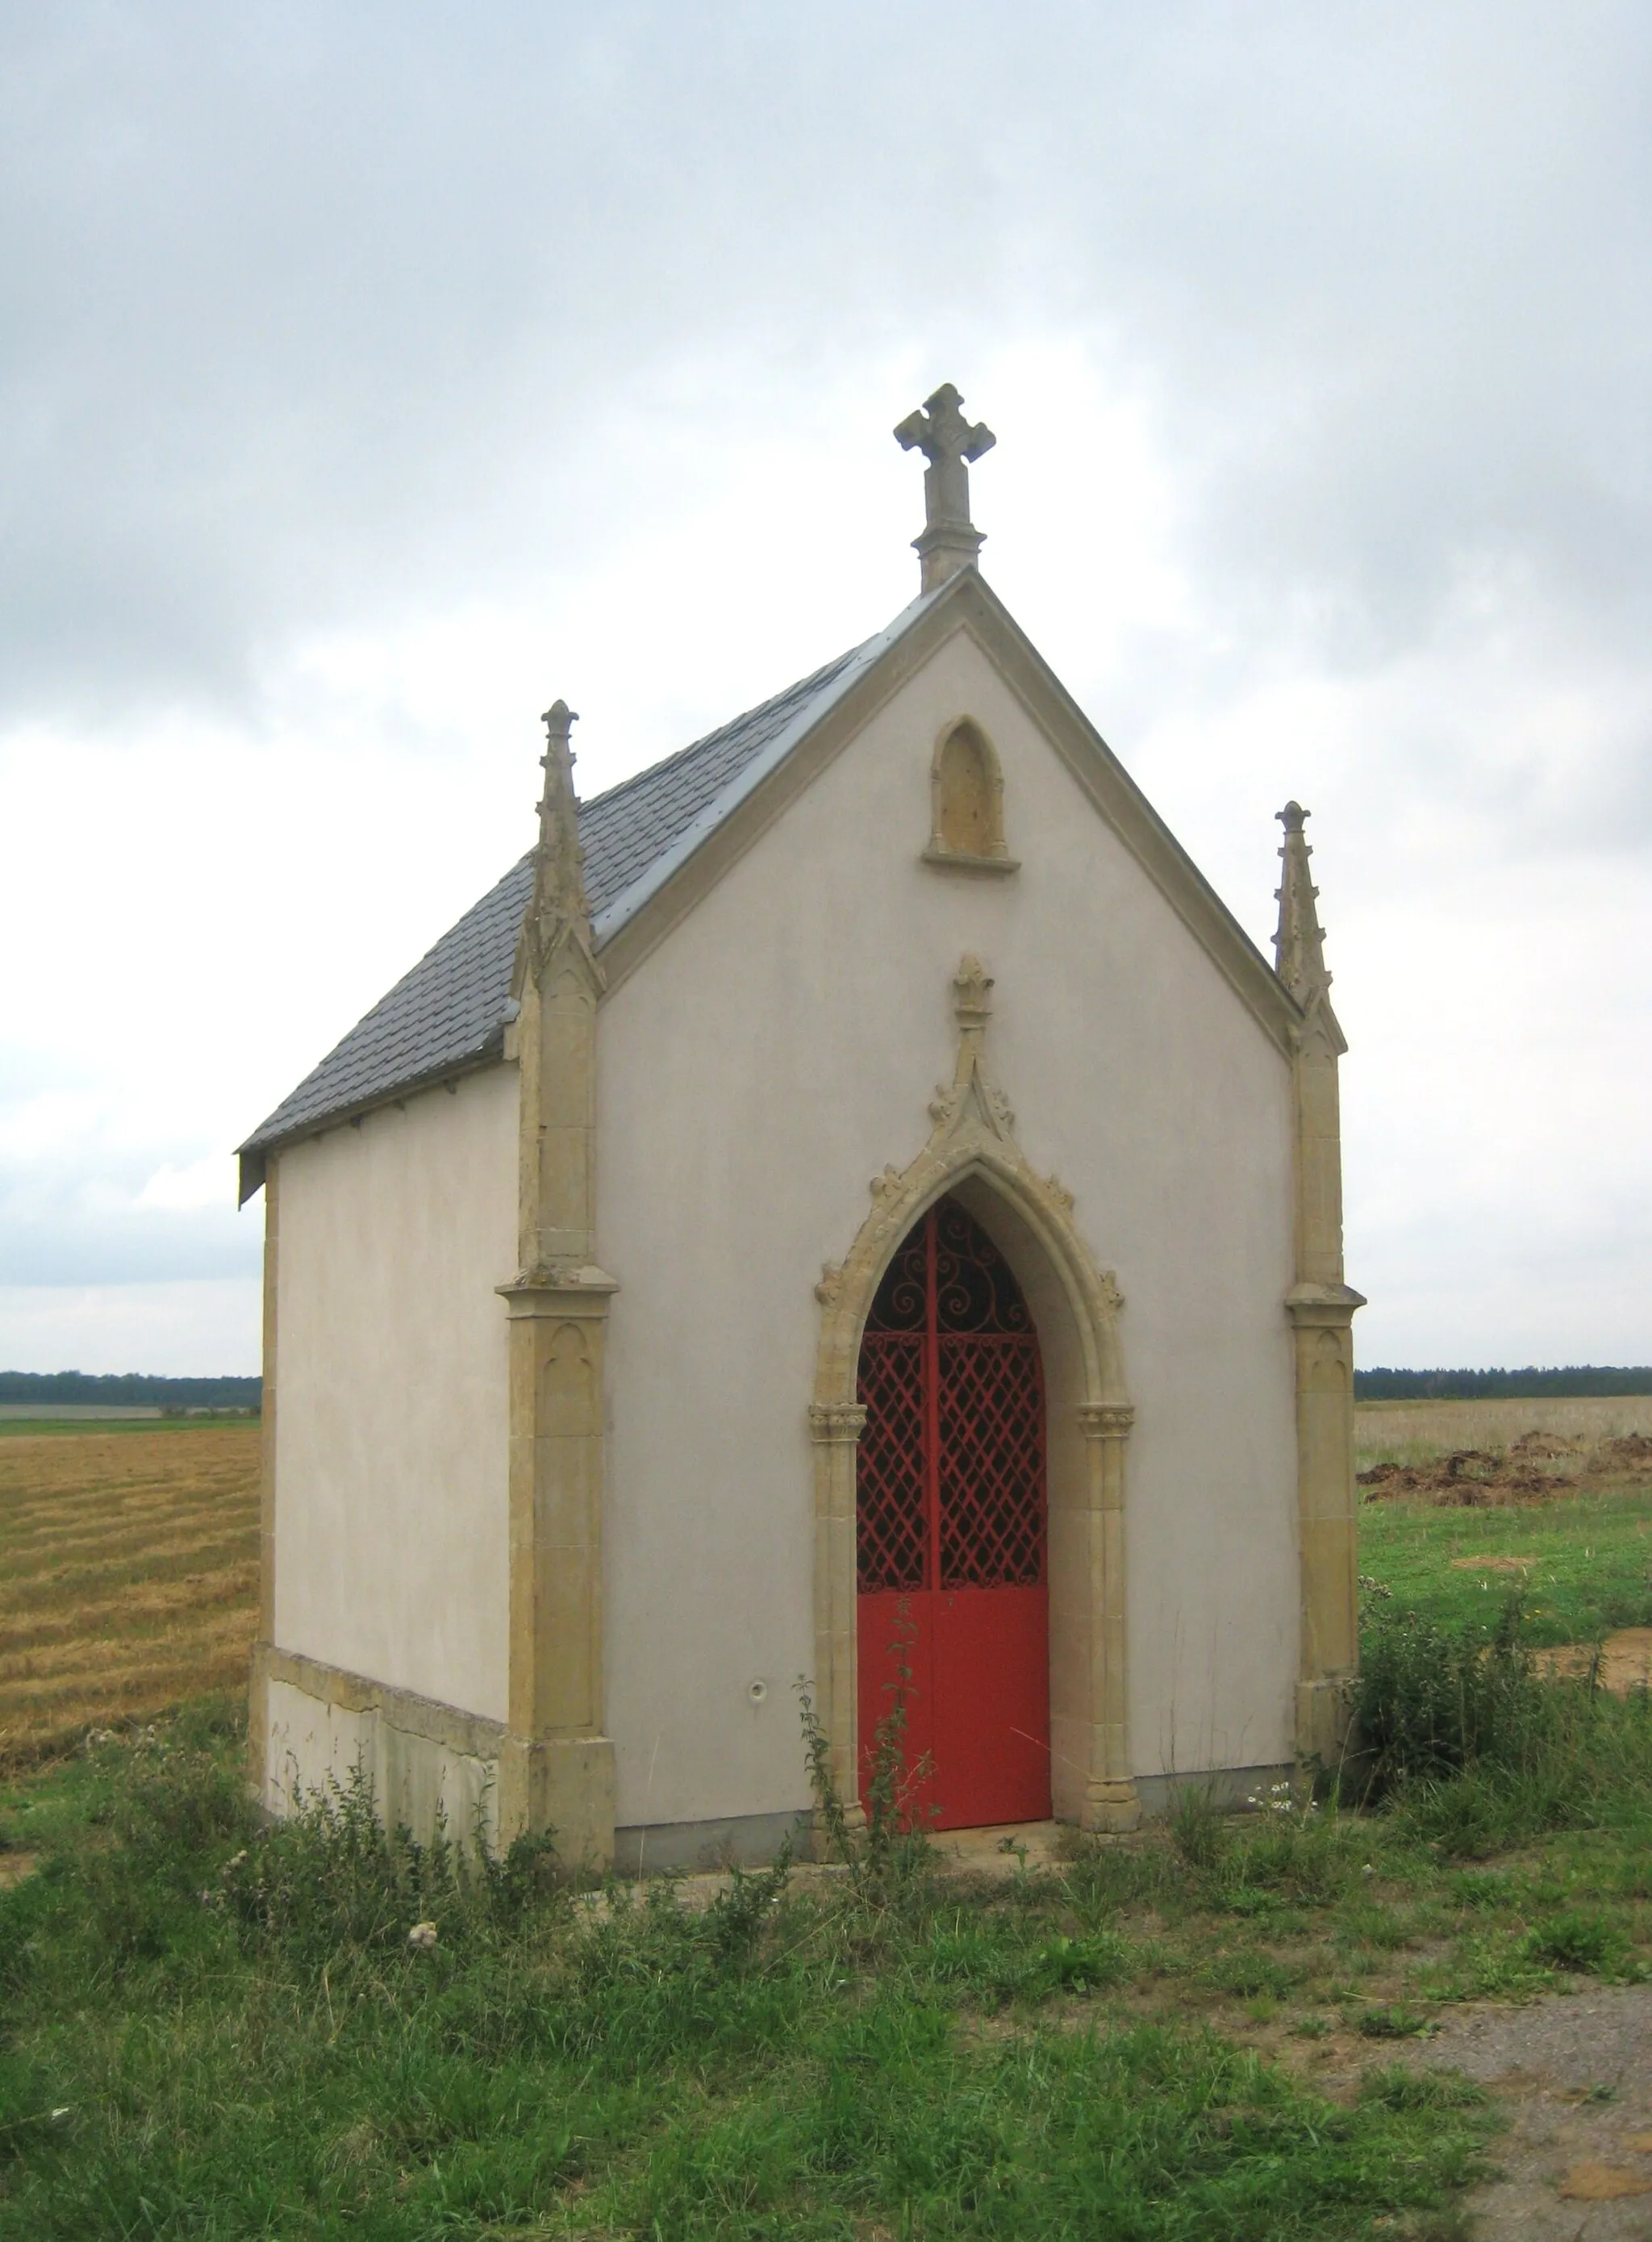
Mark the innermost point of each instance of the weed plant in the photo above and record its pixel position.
(884, 1848)
(1476, 1751)
(1433, 1701)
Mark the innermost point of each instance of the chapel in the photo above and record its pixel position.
(852, 1197)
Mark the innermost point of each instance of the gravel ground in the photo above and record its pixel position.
(1574, 2075)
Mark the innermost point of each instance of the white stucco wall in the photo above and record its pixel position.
(770, 1057)
(391, 1399)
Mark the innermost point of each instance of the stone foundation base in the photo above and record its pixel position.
(433, 1766)
(1323, 1716)
(744, 1840)
(1113, 1807)
(1228, 1787)
(430, 1765)
(563, 1784)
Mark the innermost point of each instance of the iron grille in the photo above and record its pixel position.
(991, 1463)
(890, 1530)
(951, 1482)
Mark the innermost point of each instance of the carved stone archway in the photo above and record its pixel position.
(972, 1148)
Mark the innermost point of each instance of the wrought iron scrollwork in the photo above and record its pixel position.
(975, 1286)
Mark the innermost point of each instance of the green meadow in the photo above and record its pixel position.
(209, 2029)
(1584, 1565)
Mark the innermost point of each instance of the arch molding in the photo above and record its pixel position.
(972, 1147)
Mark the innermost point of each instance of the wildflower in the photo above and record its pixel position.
(233, 1862)
(423, 1936)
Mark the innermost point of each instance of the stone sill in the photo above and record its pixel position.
(949, 860)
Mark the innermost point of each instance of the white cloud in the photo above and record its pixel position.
(337, 443)
(208, 1182)
(191, 1329)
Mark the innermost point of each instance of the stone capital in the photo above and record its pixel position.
(584, 1292)
(834, 1422)
(1330, 1307)
(1105, 1420)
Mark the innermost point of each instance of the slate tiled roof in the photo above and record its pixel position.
(449, 1012)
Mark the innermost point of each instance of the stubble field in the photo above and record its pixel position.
(1406, 1432)
(128, 1575)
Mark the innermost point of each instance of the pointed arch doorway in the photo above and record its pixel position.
(952, 1525)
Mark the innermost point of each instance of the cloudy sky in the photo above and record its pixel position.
(372, 375)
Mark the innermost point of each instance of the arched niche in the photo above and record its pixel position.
(966, 801)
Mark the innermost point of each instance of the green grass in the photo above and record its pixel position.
(209, 2030)
(1592, 1573)
(213, 2033)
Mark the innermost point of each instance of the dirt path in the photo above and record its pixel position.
(1574, 2074)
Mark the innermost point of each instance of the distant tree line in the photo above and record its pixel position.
(1577, 1381)
(131, 1392)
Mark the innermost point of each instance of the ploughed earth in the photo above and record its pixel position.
(1537, 1467)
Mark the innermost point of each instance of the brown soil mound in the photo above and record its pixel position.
(1543, 1444)
(1470, 1479)
(1626, 1660)
(1537, 1467)
(1628, 1453)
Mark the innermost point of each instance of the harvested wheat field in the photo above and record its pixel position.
(1410, 1432)
(1475, 1453)
(128, 1576)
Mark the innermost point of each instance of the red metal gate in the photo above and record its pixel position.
(951, 1513)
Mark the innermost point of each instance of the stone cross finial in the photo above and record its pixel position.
(948, 441)
(1299, 943)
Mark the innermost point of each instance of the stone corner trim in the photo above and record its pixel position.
(557, 1769)
(1321, 1306)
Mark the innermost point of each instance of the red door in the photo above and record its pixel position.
(951, 1513)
